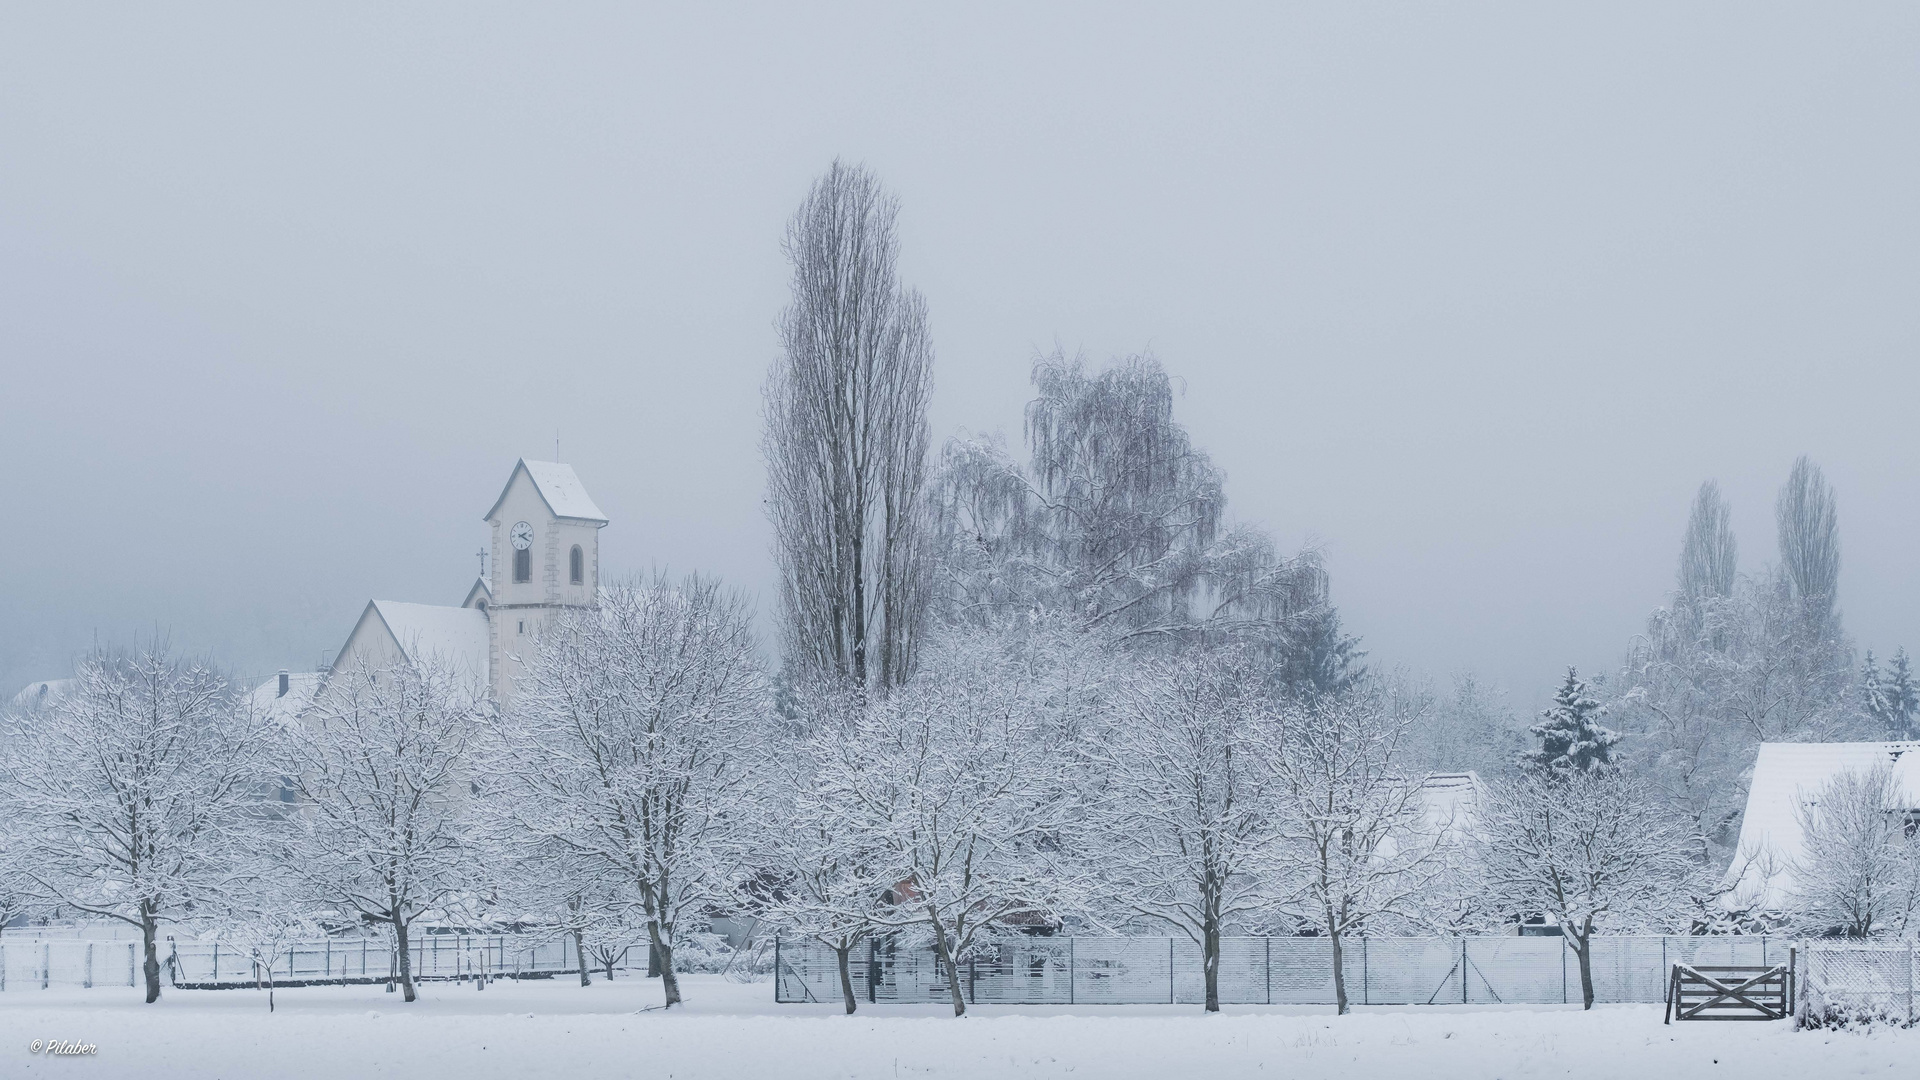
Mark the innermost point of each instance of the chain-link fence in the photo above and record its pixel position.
(1858, 983)
(49, 963)
(1263, 970)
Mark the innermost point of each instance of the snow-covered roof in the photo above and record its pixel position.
(456, 636)
(1449, 806)
(565, 495)
(1787, 776)
(301, 686)
(479, 596)
(37, 693)
(1452, 801)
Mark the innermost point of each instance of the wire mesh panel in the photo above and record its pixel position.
(1302, 972)
(1020, 973)
(1123, 971)
(1517, 970)
(1852, 983)
(1405, 971)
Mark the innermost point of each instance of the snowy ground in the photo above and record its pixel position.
(733, 1030)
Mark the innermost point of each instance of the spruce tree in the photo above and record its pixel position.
(1873, 696)
(1902, 697)
(1571, 738)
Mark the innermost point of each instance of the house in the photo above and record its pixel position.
(1787, 777)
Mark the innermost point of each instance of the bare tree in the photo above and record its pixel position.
(126, 796)
(1856, 871)
(383, 763)
(629, 745)
(1182, 833)
(1348, 827)
(1709, 556)
(1590, 849)
(846, 439)
(821, 879)
(1809, 528)
(959, 795)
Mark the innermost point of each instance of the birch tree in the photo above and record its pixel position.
(1348, 827)
(127, 795)
(630, 746)
(1592, 850)
(1181, 833)
(383, 766)
(846, 439)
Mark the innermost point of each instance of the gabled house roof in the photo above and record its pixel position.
(455, 636)
(39, 693)
(480, 594)
(562, 491)
(1787, 777)
(282, 708)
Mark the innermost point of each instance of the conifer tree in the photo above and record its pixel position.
(1873, 695)
(1902, 697)
(1571, 738)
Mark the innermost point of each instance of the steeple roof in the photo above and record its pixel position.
(562, 491)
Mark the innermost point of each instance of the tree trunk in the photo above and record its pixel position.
(846, 976)
(1210, 959)
(653, 953)
(1339, 962)
(943, 954)
(661, 952)
(580, 954)
(611, 957)
(1583, 949)
(406, 956)
(149, 929)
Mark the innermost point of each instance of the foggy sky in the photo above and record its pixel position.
(1474, 297)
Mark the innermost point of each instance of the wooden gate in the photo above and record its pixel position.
(1715, 992)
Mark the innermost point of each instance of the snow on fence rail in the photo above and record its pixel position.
(49, 963)
(1858, 982)
(1266, 970)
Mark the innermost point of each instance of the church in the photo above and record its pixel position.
(543, 557)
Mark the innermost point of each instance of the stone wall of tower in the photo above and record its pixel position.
(520, 611)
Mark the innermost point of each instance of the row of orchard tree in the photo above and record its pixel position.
(1025, 777)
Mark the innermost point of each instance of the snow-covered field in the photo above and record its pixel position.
(731, 1030)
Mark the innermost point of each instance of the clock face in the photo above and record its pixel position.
(522, 535)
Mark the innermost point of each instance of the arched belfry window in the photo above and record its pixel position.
(522, 564)
(577, 566)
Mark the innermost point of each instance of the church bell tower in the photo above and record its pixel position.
(544, 555)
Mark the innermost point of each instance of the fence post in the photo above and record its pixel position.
(1563, 965)
(1170, 996)
(1463, 969)
(46, 965)
(1269, 943)
(776, 970)
(1909, 981)
(3, 967)
(88, 985)
(216, 961)
(1366, 973)
(130, 981)
(1070, 999)
(873, 970)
